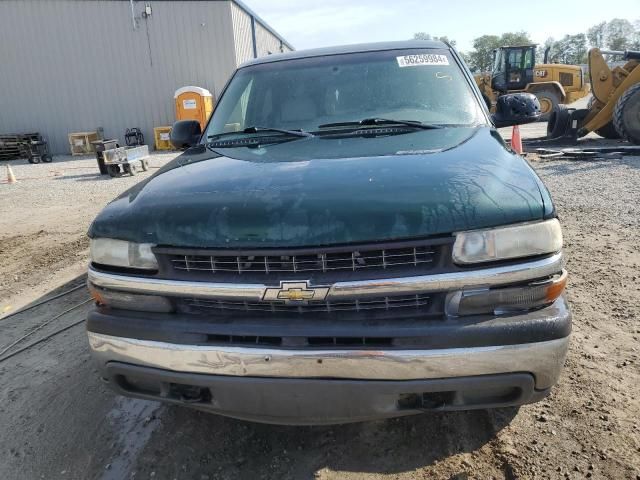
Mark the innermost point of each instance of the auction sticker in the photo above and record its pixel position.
(422, 59)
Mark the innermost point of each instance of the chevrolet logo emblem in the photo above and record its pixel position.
(295, 293)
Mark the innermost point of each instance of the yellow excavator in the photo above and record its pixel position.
(614, 109)
(515, 70)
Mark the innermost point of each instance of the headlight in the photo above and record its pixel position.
(119, 253)
(503, 243)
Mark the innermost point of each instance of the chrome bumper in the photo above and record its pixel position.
(482, 277)
(542, 359)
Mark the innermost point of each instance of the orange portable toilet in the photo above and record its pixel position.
(193, 103)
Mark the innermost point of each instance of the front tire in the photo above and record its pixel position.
(113, 170)
(130, 169)
(626, 115)
(549, 101)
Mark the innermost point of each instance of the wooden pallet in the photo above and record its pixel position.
(13, 146)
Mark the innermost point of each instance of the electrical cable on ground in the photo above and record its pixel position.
(42, 302)
(41, 340)
(40, 327)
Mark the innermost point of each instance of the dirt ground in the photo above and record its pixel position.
(59, 421)
(44, 220)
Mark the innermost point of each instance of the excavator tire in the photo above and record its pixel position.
(549, 101)
(626, 115)
(609, 130)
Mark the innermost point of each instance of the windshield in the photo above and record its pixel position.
(424, 85)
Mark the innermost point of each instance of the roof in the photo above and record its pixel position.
(362, 47)
(203, 92)
(249, 12)
(518, 46)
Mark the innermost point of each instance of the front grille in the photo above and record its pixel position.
(323, 266)
(419, 302)
(410, 257)
(324, 262)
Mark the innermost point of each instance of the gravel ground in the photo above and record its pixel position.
(59, 421)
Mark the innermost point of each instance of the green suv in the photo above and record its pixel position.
(349, 238)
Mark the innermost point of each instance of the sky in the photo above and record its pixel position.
(320, 23)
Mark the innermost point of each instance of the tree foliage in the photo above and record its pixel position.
(570, 50)
(515, 39)
(619, 34)
(597, 35)
(426, 36)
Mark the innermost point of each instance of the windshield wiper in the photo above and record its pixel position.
(256, 129)
(374, 121)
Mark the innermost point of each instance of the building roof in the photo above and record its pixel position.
(249, 12)
(362, 47)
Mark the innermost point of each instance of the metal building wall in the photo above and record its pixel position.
(266, 42)
(243, 37)
(75, 65)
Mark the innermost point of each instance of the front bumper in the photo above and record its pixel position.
(304, 401)
(324, 386)
(543, 360)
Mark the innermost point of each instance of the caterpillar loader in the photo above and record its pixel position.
(614, 109)
(515, 70)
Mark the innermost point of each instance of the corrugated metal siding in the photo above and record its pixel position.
(68, 65)
(242, 35)
(268, 43)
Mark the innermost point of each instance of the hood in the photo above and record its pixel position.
(320, 191)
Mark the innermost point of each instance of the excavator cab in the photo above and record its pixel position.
(513, 68)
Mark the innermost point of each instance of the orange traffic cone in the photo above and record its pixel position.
(516, 140)
(11, 178)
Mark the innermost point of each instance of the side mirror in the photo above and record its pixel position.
(516, 109)
(185, 133)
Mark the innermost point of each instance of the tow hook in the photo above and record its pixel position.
(187, 393)
(428, 401)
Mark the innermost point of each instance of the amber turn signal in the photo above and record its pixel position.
(506, 300)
